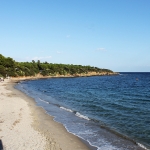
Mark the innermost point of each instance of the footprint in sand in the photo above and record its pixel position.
(1, 121)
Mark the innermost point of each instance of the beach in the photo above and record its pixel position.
(25, 126)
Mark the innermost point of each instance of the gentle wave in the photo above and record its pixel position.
(66, 109)
(110, 102)
(142, 146)
(81, 138)
(106, 146)
(81, 116)
(76, 113)
(43, 101)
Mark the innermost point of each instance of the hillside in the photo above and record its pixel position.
(9, 67)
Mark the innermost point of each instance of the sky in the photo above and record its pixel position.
(111, 34)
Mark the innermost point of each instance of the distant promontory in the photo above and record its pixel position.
(11, 68)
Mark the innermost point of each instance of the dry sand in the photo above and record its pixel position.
(25, 126)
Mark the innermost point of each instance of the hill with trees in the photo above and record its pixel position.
(9, 67)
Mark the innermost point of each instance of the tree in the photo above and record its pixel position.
(9, 62)
(12, 68)
(2, 71)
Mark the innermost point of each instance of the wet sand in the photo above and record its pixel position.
(25, 126)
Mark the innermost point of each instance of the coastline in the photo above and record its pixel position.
(39, 76)
(25, 125)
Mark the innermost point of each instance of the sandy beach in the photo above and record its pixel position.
(25, 126)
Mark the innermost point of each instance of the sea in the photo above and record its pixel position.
(109, 112)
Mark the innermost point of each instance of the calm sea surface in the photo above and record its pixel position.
(110, 112)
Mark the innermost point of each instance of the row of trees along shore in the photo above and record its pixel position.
(9, 67)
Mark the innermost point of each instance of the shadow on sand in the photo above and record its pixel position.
(1, 145)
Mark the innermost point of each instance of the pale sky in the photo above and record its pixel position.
(112, 34)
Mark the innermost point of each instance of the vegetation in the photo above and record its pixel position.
(9, 67)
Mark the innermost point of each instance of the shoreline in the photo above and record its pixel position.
(137, 146)
(51, 134)
(38, 76)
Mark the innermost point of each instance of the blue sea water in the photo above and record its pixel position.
(110, 112)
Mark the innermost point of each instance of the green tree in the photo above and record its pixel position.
(2, 71)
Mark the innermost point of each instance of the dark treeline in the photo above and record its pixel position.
(9, 67)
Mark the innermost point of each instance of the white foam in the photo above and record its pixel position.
(120, 74)
(82, 116)
(43, 101)
(142, 146)
(66, 109)
(104, 144)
